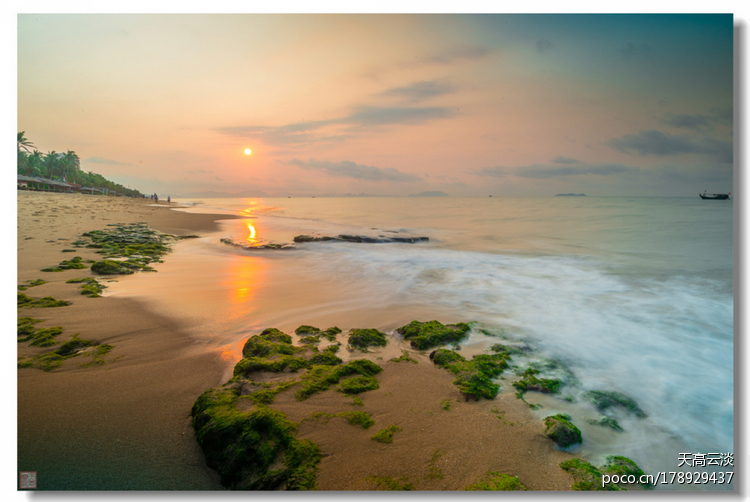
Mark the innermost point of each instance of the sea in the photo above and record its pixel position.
(633, 295)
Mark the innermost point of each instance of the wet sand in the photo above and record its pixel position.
(126, 424)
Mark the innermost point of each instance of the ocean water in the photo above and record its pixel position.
(633, 295)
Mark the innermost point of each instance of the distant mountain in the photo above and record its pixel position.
(571, 195)
(432, 193)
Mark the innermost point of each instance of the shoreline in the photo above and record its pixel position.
(131, 411)
(154, 356)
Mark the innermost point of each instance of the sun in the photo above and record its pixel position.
(248, 151)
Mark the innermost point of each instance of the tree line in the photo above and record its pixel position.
(64, 167)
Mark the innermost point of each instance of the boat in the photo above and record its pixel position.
(716, 196)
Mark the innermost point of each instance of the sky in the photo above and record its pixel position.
(470, 105)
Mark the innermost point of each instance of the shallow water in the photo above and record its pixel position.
(632, 294)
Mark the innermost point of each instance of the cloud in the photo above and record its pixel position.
(362, 116)
(453, 55)
(660, 144)
(541, 171)
(543, 45)
(419, 91)
(564, 160)
(685, 121)
(101, 160)
(723, 115)
(349, 169)
(641, 51)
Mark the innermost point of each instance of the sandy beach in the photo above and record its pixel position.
(126, 424)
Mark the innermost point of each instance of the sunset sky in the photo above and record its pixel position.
(471, 105)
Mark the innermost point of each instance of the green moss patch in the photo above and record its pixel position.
(358, 384)
(403, 358)
(497, 481)
(90, 287)
(387, 483)
(45, 302)
(561, 430)
(330, 333)
(604, 400)
(358, 418)
(433, 468)
(255, 449)
(31, 284)
(363, 338)
(386, 435)
(530, 381)
(426, 335)
(589, 478)
(326, 357)
(321, 378)
(73, 263)
(71, 348)
(473, 378)
(111, 267)
(606, 422)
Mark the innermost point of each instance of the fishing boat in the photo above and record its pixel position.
(716, 196)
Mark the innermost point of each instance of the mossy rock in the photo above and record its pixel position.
(386, 435)
(586, 477)
(473, 378)
(562, 431)
(307, 330)
(74, 263)
(255, 449)
(31, 284)
(45, 302)
(623, 466)
(497, 481)
(589, 478)
(531, 382)
(326, 357)
(111, 267)
(279, 364)
(604, 400)
(321, 378)
(359, 384)
(606, 422)
(425, 335)
(363, 338)
(330, 333)
(403, 358)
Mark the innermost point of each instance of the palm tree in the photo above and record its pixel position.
(23, 143)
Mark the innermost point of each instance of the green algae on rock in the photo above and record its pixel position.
(606, 422)
(91, 287)
(426, 335)
(49, 361)
(561, 430)
(363, 338)
(111, 267)
(256, 449)
(45, 302)
(360, 418)
(31, 284)
(74, 263)
(497, 481)
(607, 399)
(531, 382)
(403, 358)
(386, 435)
(474, 378)
(589, 478)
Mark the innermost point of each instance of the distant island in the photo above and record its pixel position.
(432, 193)
(571, 195)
